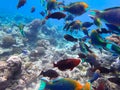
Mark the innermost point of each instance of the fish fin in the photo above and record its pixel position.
(112, 8)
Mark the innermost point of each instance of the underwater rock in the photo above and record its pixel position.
(33, 28)
(9, 70)
(53, 41)
(43, 43)
(38, 52)
(14, 67)
(5, 52)
(8, 41)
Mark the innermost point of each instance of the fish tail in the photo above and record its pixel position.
(42, 85)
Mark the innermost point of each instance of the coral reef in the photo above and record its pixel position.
(33, 29)
(8, 41)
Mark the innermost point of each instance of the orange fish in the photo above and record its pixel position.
(77, 8)
(21, 3)
(65, 64)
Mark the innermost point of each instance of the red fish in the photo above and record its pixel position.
(21, 3)
(56, 15)
(65, 64)
(32, 9)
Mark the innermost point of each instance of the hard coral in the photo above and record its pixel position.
(8, 41)
(33, 28)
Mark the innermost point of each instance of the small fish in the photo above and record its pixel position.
(74, 47)
(97, 21)
(77, 8)
(70, 38)
(52, 5)
(61, 84)
(50, 73)
(84, 48)
(25, 52)
(96, 75)
(82, 55)
(97, 40)
(42, 13)
(65, 64)
(56, 15)
(87, 24)
(74, 25)
(21, 26)
(21, 3)
(85, 31)
(32, 9)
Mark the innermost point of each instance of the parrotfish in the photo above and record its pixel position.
(52, 5)
(87, 24)
(98, 41)
(103, 31)
(70, 38)
(77, 8)
(84, 47)
(50, 73)
(97, 21)
(87, 86)
(21, 27)
(74, 25)
(69, 63)
(109, 15)
(85, 31)
(56, 15)
(61, 84)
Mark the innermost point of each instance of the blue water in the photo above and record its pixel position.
(8, 7)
